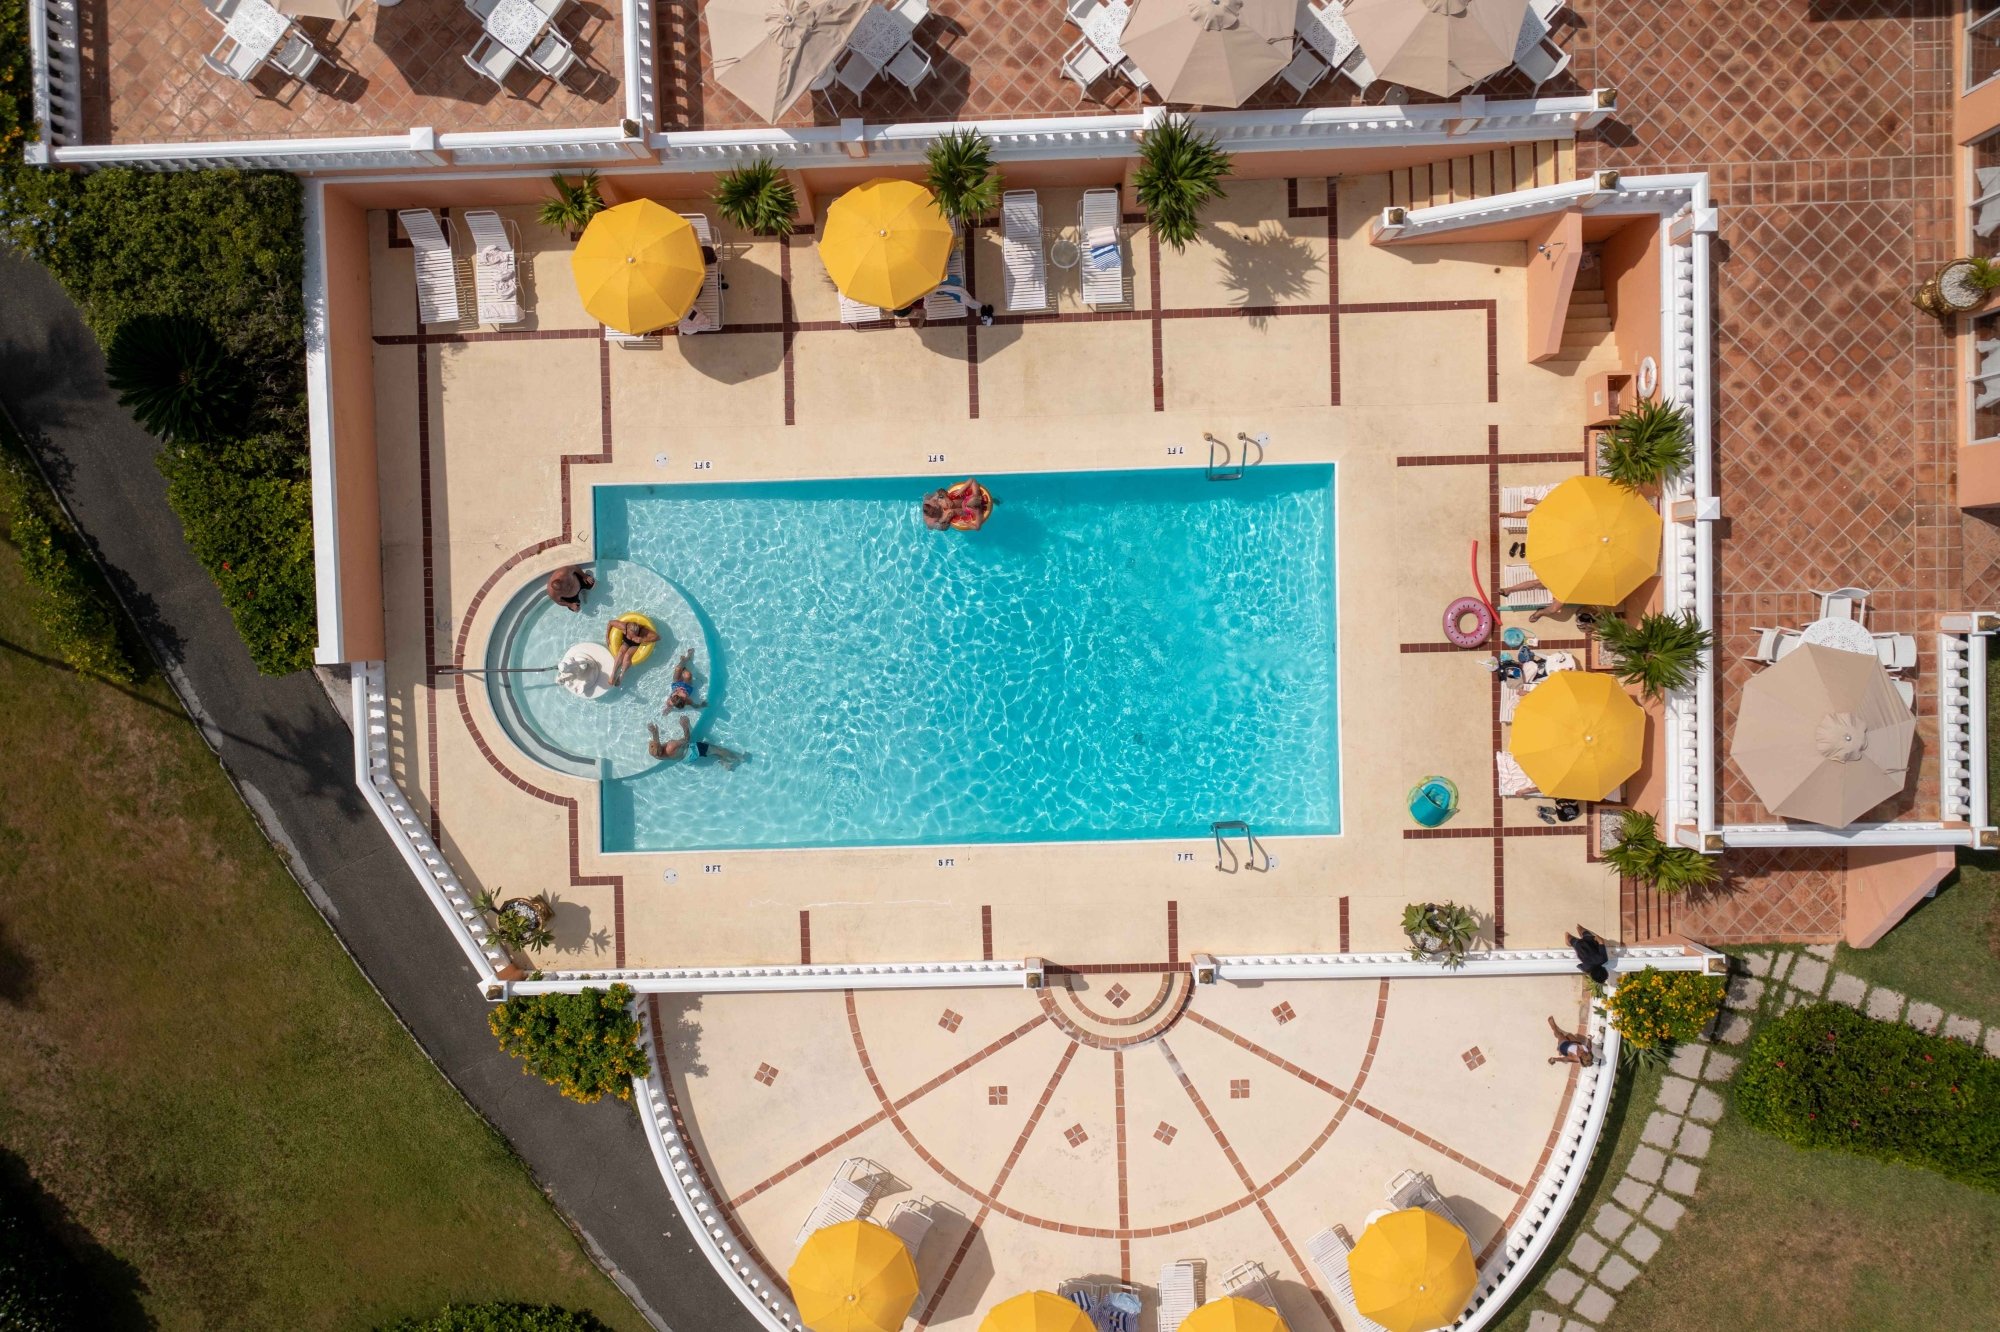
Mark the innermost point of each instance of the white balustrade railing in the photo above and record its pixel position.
(642, 86)
(1237, 968)
(55, 93)
(415, 148)
(618, 143)
(1957, 775)
(831, 976)
(377, 780)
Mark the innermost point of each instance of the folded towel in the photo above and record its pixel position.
(493, 254)
(506, 285)
(1104, 256)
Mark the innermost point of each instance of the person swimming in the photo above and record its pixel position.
(728, 758)
(668, 749)
(681, 694)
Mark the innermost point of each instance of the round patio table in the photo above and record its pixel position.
(1841, 634)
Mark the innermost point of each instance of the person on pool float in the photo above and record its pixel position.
(568, 584)
(636, 635)
(728, 758)
(668, 749)
(681, 695)
(965, 506)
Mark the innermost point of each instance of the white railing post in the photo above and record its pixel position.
(424, 147)
(1471, 115)
(641, 90)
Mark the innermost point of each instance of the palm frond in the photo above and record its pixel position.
(757, 198)
(1180, 172)
(959, 171)
(1649, 442)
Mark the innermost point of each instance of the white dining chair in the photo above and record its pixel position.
(911, 66)
(552, 55)
(1084, 65)
(224, 10)
(857, 72)
(490, 60)
(297, 57)
(232, 60)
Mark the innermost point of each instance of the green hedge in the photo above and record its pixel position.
(1825, 1076)
(75, 609)
(17, 109)
(226, 249)
(501, 1317)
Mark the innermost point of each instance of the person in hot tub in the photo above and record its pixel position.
(568, 584)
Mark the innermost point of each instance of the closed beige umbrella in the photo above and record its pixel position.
(1822, 736)
(768, 51)
(1440, 46)
(1210, 52)
(326, 9)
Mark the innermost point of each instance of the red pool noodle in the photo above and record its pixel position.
(1477, 587)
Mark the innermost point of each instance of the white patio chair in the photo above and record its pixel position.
(1103, 261)
(706, 317)
(911, 1222)
(1021, 255)
(857, 72)
(232, 60)
(1305, 71)
(437, 272)
(224, 10)
(911, 66)
(1180, 1293)
(847, 1195)
(1546, 10)
(1083, 65)
(1249, 1281)
(824, 79)
(490, 60)
(482, 9)
(1357, 71)
(1905, 690)
(552, 55)
(551, 7)
(1897, 652)
(912, 11)
(298, 57)
(1519, 586)
(1080, 10)
(1766, 650)
(1541, 62)
(941, 309)
(1789, 641)
(1328, 1252)
(1843, 603)
(495, 268)
(854, 312)
(1133, 74)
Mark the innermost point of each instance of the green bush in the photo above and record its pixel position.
(174, 376)
(72, 604)
(1657, 1007)
(1825, 1076)
(38, 1279)
(501, 1316)
(587, 1044)
(17, 110)
(1180, 173)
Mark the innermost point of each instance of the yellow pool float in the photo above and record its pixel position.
(614, 635)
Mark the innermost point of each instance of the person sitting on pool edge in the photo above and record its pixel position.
(668, 749)
(568, 584)
(681, 695)
(635, 635)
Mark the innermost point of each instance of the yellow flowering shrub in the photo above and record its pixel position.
(586, 1045)
(1658, 1007)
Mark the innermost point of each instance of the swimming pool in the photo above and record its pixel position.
(1116, 655)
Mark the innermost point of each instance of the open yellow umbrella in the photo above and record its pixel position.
(1593, 541)
(1577, 735)
(1412, 1270)
(638, 267)
(885, 243)
(853, 1277)
(1035, 1311)
(1233, 1313)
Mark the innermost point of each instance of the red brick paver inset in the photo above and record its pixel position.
(386, 71)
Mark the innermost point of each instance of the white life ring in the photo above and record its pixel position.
(1649, 377)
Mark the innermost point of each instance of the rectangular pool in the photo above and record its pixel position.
(1116, 655)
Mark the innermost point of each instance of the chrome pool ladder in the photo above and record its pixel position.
(1225, 854)
(1225, 466)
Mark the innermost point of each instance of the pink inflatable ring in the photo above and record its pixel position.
(1456, 616)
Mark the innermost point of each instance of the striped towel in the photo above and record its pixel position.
(1105, 255)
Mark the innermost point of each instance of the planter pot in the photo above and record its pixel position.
(1952, 291)
(533, 911)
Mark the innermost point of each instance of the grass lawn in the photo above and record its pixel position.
(1947, 951)
(192, 1069)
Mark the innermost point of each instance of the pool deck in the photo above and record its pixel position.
(1415, 386)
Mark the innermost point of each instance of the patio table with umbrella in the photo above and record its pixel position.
(638, 267)
(1439, 46)
(768, 52)
(1210, 52)
(1412, 1270)
(1577, 735)
(854, 1276)
(1823, 736)
(886, 244)
(1592, 542)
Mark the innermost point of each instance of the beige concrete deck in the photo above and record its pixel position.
(489, 446)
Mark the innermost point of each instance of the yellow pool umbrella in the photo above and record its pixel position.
(1577, 735)
(1233, 1313)
(885, 243)
(853, 1277)
(1593, 541)
(638, 267)
(1412, 1270)
(1035, 1311)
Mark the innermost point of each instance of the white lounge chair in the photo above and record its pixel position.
(490, 60)
(846, 1197)
(706, 317)
(1520, 587)
(1180, 1293)
(232, 60)
(1897, 652)
(911, 1221)
(1509, 778)
(1083, 64)
(1305, 71)
(1103, 261)
(854, 312)
(911, 66)
(495, 272)
(1022, 261)
(941, 309)
(1516, 501)
(437, 271)
(1328, 1252)
(552, 55)
(1413, 1188)
(1843, 603)
(1249, 1281)
(1541, 62)
(630, 340)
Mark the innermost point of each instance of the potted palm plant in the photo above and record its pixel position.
(1659, 653)
(576, 202)
(959, 171)
(1441, 932)
(1180, 172)
(1649, 442)
(757, 198)
(1640, 854)
(519, 923)
(1961, 285)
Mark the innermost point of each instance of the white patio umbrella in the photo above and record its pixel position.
(326, 9)
(1822, 735)
(768, 51)
(1210, 52)
(1440, 46)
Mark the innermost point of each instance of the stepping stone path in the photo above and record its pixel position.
(1657, 1187)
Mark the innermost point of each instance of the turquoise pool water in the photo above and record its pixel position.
(1116, 655)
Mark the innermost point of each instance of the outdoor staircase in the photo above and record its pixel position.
(1500, 170)
(1587, 326)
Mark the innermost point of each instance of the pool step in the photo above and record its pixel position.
(1502, 170)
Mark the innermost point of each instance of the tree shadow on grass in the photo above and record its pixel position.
(93, 1286)
(17, 969)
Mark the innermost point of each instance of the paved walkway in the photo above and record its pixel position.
(289, 754)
